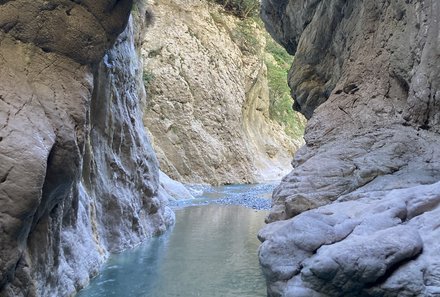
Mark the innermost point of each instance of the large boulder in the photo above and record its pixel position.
(366, 75)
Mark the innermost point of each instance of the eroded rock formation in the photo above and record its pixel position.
(78, 177)
(209, 108)
(367, 75)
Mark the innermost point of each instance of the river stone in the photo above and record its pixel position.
(366, 75)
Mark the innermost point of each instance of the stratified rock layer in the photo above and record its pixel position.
(209, 107)
(78, 177)
(367, 75)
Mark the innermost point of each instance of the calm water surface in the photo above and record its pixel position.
(210, 252)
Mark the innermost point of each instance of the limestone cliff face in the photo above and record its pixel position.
(78, 177)
(367, 75)
(208, 110)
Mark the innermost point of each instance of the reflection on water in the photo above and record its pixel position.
(210, 252)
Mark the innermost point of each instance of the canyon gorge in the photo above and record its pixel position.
(79, 179)
(106, 105)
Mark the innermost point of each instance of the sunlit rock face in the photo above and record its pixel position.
(367, 75)
(78, 178)
(208, 111)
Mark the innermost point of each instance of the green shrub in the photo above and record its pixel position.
(240, 8)
(280, 109)
(281, 56)
(244, 36)
(217, 18)
(148, 78)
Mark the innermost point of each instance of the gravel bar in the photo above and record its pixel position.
(252, 196)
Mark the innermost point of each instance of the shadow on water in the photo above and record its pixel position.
(210, 252)
(131, 272)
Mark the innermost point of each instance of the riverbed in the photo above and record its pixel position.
(210, 252)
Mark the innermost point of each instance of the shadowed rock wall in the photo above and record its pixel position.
(367, 75)
(78, 177)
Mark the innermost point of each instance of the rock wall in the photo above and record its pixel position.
(209, 108)
(78, 177)
(367, 75)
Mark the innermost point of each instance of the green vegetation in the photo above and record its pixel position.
(244, 36)
(148, 78)
(240, 8)
(218, 18)
(278, 62)
(244, 32)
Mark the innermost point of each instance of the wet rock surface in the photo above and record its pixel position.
(366, 75)
(78, 177)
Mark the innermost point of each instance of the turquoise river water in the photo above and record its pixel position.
(210, 252)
